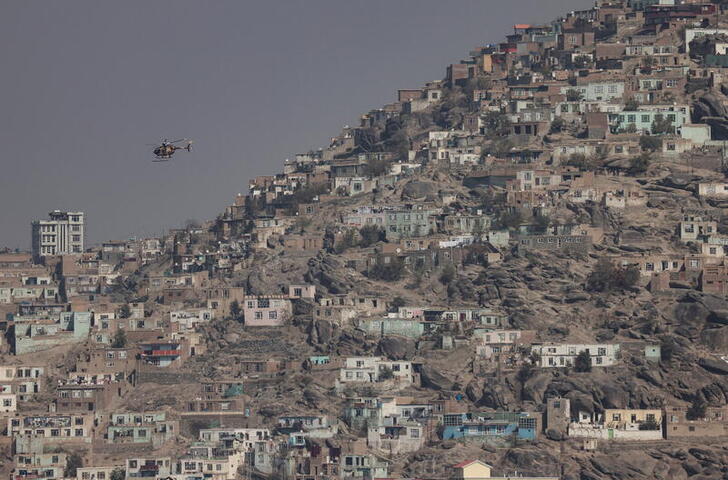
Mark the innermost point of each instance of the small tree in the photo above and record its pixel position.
(510, 220)
(667, 349)
(496, 124)
(542, 223)
(697, 409)
(581, 61)
(376, 167)
(582, 362)
(639, 165)
(631, 104)
(119, 340)
(388, 272)
(125, 311)
(650, 143)
(662, 124)
(347, 241)
(557, 125)
(581, 161)
(607, 277)
(649, 62)
(386, 373)
(501, 147)
(370, 234)
(118, 474)
(73, 463)
(396, 303)
(649, 425)
(447, 275)
(573, 95)
(236, 313)
(524, 373)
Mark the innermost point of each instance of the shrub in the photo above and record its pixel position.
(524, 373)
(370, 234)
(662, 124)
(607, 277)
(236, 313)
(496, 124)
(631, 128)
(582, 362)
(510, 220)
(396, 303)
(697, 409)
(650, 143)
(307, 193)
(388, 272)
(631, 104)
(386, 373)
(557, 125)
(73, 463)
(581, 161)
(639, 165)
(542, 223)
(582, 61)
(348, 241)
(500, 147)
(376, 167)
(125, 311)
(649, 425)
(573, 95)
(667, 349)
(447, 275)
(119, 340)
(118, 474)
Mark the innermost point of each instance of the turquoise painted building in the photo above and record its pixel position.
(37, 334)
(393, 326)
(318, 360)
(491, 427)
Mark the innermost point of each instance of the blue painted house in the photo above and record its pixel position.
(491, 427)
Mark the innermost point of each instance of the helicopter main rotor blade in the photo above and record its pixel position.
(177, 141)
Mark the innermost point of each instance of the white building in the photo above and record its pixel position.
(564, 355)
(598, 91)
(61, 234)
(713, 189)
(376, 369)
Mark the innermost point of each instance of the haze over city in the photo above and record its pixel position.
(378, 240)
(88, 85)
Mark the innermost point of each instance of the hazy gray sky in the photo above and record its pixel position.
(87, 83)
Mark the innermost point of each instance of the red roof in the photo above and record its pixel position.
(521, 25)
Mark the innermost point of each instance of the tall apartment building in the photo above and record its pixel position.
(61, 234)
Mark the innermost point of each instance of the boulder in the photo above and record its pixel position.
(577, 297)
(434, 380)
(556, 435)
(231, 337)
(709, 105)
(397, 348)
(419, 190)
(714, 365)
(535, 387)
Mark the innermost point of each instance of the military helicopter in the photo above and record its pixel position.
(165, 151)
